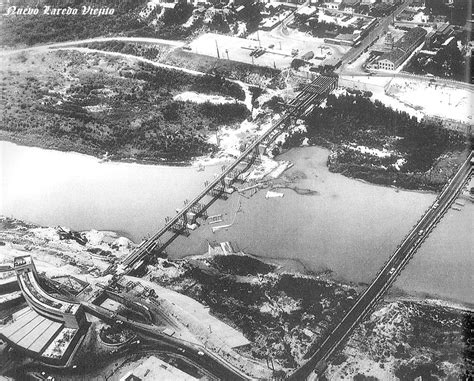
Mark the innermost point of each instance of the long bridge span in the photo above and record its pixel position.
(316, 91)
(386, 276)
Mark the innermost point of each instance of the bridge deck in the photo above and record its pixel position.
(389, 272)
(316, 89)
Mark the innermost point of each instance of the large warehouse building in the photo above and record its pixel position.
(401, 50)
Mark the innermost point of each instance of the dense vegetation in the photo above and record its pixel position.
(240, 265)
(36, 29)
(130, 115)
(456, 13)
(257, 75)
(448, 62)
(115, 334)
(348, 121)
(148, 51)
(319, 28)
(130, 18)
(294, 303)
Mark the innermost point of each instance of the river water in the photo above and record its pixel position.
(56, 188)
(348, 226)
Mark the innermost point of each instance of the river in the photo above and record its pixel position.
(348, 226)
(78, 191)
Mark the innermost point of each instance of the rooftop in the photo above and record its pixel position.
(155, 369)
(30, 285)
(21, 261)
(31, 331)
(38, 334)
(403, 45)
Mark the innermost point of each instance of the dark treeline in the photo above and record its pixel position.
(36, 29)
(126, 20)
(169, 78)
(348, 121)
(134, 115)
(456, 13)
(358, 120)
(448, 62)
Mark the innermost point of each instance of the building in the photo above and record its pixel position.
(153, 369)
(332, 5)
(49, 328)
(401, 50)
(71, 314)
(438, 36)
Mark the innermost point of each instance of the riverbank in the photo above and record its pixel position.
(94, 103)
(373, 142)
(70, 189)
(71, 147)
(278, 310)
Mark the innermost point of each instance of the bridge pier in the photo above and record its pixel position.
(181, 226)
(199, 210)
(219, 191)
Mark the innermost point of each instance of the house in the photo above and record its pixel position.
(332, 5)
(350, 5)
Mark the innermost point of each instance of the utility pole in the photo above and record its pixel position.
(217, 48)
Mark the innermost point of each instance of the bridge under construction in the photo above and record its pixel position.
(310, 95)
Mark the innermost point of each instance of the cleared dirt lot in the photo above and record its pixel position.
(279, 45)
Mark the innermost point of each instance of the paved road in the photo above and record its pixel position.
(388, 273)
(196, 353)
(145, 40)
(404, 74)
(375, 33)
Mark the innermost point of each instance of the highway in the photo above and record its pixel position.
(387, 274)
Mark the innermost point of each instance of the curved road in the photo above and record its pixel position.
(196, 353)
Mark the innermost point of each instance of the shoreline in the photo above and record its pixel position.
(297, 267)
(18, 141)
(202, 159)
